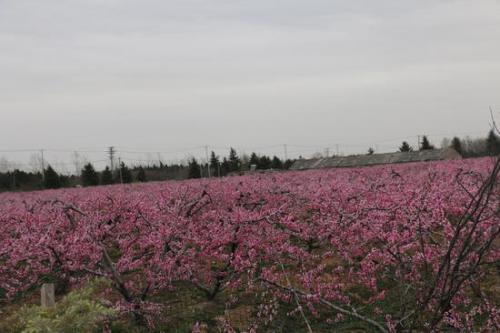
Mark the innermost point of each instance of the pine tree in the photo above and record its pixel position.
(64, 181)
(457, 145)
(225, 166)
(194, 169)
(52, 179)
(15, 176)
(276, 163)
(288, 164)
(264, 163)
(426, 145)
(106, 176)
(234, 161)
(493, 143)
(244, 162)
(254, 159)
(89, 175)
(214, 163)
(124, 175)
(141, 175)
(371, 151)
(405, 147)
(203, 170)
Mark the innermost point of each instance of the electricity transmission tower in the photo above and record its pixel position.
(111, 154)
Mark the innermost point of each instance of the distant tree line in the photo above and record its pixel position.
(234, 164)
(18, 180)
(489, 146)
(467, 147)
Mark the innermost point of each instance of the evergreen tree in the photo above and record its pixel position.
(52, 179)
(371, 151)
(426, 145)
(244, 162)
(493, 143)
(89, 175)
(264, 163)
(457, 145)
(64, 181)
(225, 166)
(21, 180)
(405, 147)
(234, 161)
(124, 175)
(106, 176)
(254, 159)
(203, 170)
(276, 163)
(214, 163)
(141, 175)
(194, 169)
(15, 178)
(288, 164)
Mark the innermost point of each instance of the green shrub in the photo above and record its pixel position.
(76, 312)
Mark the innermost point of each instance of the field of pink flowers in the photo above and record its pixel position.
(409, 247)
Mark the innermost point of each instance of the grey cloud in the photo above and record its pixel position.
(172, 74)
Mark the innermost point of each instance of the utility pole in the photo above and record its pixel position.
(76, 160)
(120, 168)
(159, 160)
(418, 142)
(327, 152)
(111, 154)
(208, 162)
(285, 148)
(43, 164)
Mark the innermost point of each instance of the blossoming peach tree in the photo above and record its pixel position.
(398, 248)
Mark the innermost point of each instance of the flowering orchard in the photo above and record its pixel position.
(409, 247)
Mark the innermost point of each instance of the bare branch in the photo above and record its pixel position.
(297, 300)
(323, 301)
(493, 123)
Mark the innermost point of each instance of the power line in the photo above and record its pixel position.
(27, 150)
(278, 149)
(129, 150)
(139, 151)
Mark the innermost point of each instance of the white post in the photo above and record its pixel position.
(48, 298)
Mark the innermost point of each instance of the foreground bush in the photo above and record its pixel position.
(77, 312)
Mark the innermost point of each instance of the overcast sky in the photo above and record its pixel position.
(164, 75)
